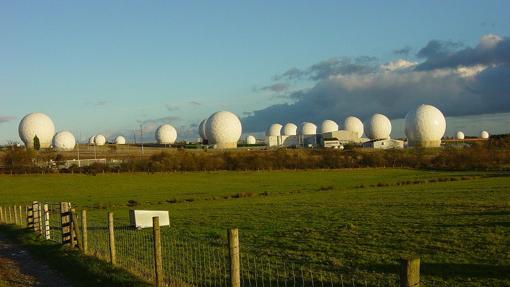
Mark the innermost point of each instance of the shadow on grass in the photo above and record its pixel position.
(448, 270)
(78, 269)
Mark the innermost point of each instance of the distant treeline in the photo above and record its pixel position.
(493, 154)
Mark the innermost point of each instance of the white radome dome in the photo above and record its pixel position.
(379, 127)
(36, 124)
(120, 140)
(92, 140)
(223, 129)
(166, 134)
(64, 141)
(425, 126)
(201, 129)
(251, 139)
(99, 140)
(289, 129)
(459, 135)
(308, 129)
(328, 126)
(484, 134)
(274, 130)
(354, 124)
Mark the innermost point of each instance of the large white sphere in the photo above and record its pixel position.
(223, 129)
(328, 126)
(307, 129)
(484, 134)
(36, 124)
(425, 126)
(201, 129)
(251, 139)
(99, 140)
(289, 129)
(354, 124)
(64, 141)
(120, 140)
(459, 135)
(274, 130)
(379, 127)
(166, 134)
(92, 140)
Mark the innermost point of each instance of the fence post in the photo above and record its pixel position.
(158, 260)
(113, 254)
(410, 272)
(85, 236)
(30, 216)
(37, 217)
(65, 223)
(20, 215)
(235, 270)
(15, 214)
(46, 222)
(10, 214)
(76, 229)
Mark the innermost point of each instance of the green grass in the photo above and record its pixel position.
(78, 269)
(359, 221)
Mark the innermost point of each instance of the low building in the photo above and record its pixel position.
(343, 136)
(384, 144)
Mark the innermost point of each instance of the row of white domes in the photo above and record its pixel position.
(424, 125)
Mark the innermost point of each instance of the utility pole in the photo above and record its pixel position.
(141, 135)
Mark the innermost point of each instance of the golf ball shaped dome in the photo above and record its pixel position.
(201, 129)
(289, 129)
(328, 126)
(308, 129)
(459, 135)
(99, 140)
(251, 139)
(379, 127)
(166, 134)
(484, 134)
(274, 130)
(425, 126)
(223, 129)
(64, 141)
(120, 140)
(36, 124)
(354, 124)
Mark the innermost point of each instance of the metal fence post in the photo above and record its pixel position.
(84, 228)
(113, 254)
(410, 272)
(235, 270)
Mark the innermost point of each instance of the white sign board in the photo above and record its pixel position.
(143, 218)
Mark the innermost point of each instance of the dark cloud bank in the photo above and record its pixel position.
(458, 80)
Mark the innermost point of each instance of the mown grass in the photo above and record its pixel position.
(360, 221)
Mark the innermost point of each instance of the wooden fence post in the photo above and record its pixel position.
(235, 270)
(20, 215)
(65, 223)
(113, 254)
(10, 214)
(15, 214)
(37, 217)
(1, 215)
(84, 229)
(46, 222)
(410, 272)
(76, 229)
(30, 216)
(158, 260)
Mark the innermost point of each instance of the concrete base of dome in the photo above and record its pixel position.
(425, 144)
(225, 145)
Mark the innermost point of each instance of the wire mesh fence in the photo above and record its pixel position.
(190, 260)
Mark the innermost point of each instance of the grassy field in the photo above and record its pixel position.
(360, 221)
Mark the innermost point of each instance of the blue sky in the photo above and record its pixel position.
(106, 66)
